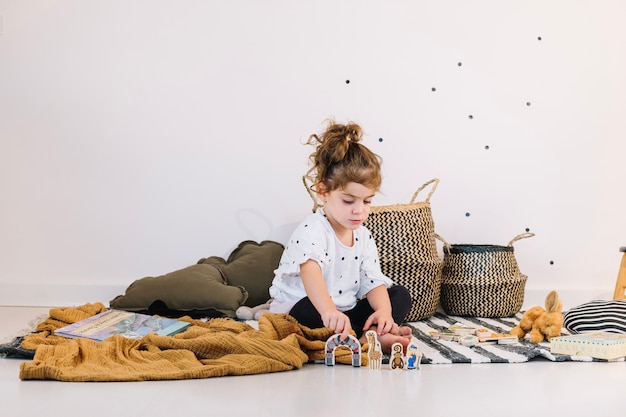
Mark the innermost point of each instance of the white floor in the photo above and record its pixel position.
(539, 387)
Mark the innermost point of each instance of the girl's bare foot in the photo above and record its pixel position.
(397, 334)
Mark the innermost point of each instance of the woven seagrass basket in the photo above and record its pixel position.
(405, 237)
(482, 280)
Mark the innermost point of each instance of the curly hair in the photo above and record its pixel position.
(339, 158)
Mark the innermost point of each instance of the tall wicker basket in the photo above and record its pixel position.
(482, 280)
(405, 237)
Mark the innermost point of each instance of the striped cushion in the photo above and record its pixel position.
(607, 316)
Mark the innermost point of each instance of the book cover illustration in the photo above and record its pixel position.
(124, 323)
(600, 345)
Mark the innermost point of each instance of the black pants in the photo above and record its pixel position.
(306, 314)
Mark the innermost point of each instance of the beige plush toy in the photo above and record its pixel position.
(253, 313)
(542, 323)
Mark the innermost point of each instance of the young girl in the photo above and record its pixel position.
(329, 274)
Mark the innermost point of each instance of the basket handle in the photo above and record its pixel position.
(521, 236)
(436, 183)
(446, 245)
(316, 205)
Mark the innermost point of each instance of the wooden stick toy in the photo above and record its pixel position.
(350, 342)
(397, 357)
(374, 353)
(413, 357)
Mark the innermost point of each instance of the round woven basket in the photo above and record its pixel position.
(482, 280)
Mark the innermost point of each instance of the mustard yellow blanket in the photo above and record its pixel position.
(206, 349)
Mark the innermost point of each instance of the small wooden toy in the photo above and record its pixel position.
(468, 340)
(397, 357)
(413, 357)
(350, 342)
(450, 336)
(483, 333)
(374, 352)
(499, 338)
(461, 330)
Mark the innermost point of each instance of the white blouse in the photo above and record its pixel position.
(349, 272)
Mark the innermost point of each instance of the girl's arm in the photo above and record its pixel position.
(316, 290)
(378, 299)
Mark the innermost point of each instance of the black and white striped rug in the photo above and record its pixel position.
(447, 351)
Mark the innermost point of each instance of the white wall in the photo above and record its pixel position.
(139, 136)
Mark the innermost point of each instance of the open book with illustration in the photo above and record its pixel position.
(124, 323)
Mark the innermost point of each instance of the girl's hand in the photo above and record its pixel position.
(381, 317)
(337, 322)
(383, 321)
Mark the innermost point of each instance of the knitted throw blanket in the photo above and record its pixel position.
(218, 347)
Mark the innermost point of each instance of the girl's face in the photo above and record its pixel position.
(347, 208)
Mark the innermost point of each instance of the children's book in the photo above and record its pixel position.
(600, 345)
(124, 323)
